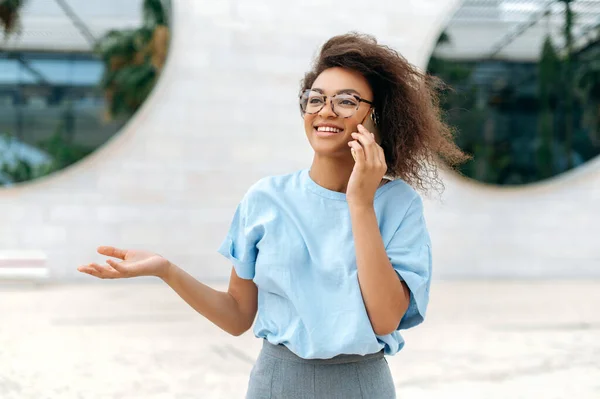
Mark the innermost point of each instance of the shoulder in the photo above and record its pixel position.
(402, 215)
(273, 186)
(399, 193)
(401, 205)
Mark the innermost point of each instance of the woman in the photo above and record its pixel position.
(334, 259)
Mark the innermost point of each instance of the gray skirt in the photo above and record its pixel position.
(280, 374)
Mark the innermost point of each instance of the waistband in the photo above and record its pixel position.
(282, 352)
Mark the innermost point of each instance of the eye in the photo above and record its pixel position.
(346, 101)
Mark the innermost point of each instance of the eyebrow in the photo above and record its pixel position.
(346, 91)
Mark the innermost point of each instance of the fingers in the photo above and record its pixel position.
(363, 130)
(373, 153)
(117, 266)
(358, 153)
(367, 141)
(103, 272)
(378, 153)
(112, 251)
(112, 269)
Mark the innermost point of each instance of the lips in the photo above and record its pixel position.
(328, 129)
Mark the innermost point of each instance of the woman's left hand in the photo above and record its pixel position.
(369, 168)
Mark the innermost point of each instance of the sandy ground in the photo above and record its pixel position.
(484, 340)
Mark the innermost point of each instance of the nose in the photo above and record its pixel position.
(327, 110)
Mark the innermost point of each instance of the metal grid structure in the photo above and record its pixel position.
(516, 29)
(70, 25)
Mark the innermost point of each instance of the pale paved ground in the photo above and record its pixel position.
(112, 340)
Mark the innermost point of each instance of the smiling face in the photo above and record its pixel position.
(327, 132)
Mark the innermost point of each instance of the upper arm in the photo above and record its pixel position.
(241, 248)
(245, 294)
(409, 252)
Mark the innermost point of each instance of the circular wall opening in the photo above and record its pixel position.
(72, 73)
(525, 87)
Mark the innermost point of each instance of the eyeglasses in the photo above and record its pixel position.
(343, 105)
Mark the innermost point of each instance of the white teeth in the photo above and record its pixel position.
(328, 129)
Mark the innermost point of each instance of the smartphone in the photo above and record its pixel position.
(369, 124)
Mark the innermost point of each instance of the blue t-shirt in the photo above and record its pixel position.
(293, 238)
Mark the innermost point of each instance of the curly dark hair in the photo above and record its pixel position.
(406, 107)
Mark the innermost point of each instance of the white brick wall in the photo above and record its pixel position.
(169, 182)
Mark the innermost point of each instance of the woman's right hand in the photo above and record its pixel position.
(133, 263)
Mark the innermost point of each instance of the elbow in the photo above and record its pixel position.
(239, 330)
(385, 330)
(385, 327)
(391, 323)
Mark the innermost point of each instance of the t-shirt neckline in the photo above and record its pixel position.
(336, 195)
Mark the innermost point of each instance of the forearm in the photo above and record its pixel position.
(384, 294)
(219, 307)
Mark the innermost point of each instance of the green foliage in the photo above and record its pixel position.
(568, 86)
(12, 4)
(133, 60)
(548, 73)
(62, 150)
(59, 147)
(549, 69)
(588, 83)
(9, 15)
(155, 13)
(22, 171)
(527, 122)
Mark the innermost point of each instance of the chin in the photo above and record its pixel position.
(330, 149)
(330, 145)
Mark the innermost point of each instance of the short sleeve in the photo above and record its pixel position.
(409, 252)
(240, 243)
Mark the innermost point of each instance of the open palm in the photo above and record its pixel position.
(134, 263)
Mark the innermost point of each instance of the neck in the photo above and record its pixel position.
(331, 173)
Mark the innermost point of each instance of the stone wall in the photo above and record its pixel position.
(225, 114)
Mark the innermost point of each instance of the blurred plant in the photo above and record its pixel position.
(568, 81)
(17, 164)
(9, 15)
(60, 147)
(549, 68)
(19, 172)
(134, 59)
(588, 81)
(446, 70)
(497, 105)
